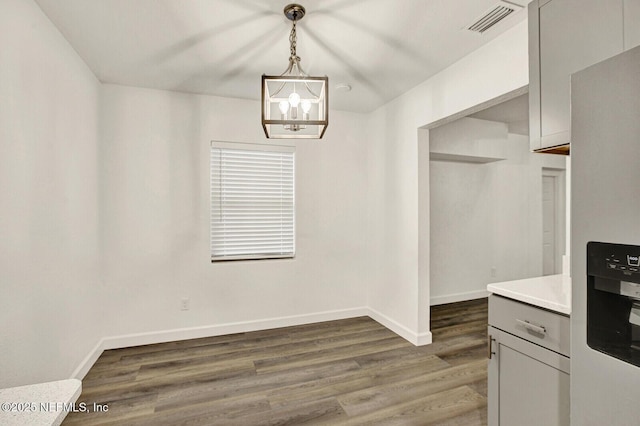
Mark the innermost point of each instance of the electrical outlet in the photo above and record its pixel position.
(185, 304)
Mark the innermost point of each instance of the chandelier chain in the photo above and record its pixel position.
(293, 40)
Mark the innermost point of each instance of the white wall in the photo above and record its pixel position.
(399, 282)
(484, 216)
(154, 206)
(48, 186)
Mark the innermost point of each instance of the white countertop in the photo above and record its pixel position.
(551, 292)
(39, 404)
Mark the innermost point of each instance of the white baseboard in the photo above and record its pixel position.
(417, 339)
(149, 338)
(88, 361)
(458, 297)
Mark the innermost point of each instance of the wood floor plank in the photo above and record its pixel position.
(425, 410)
(169, 381)
(452, 320)
(120, 411)
(101, 377)
(460, 329)
(211, 412)
(389, 394)
(476, 416)
(351, 382)
(328, 355)
(324, 411)
(480, 387)
(448, 346)
(240, 387)
(472, 352)
(352, 371)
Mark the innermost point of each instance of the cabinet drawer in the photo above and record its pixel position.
(542, 327)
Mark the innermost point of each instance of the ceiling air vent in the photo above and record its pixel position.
(492, 16)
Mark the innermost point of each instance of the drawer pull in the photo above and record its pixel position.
(532, 327)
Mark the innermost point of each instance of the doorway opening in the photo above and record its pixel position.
(553, 214)
(480, 201)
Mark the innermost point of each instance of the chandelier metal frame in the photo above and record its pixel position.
(292, 91)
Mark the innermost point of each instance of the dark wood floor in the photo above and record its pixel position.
(344, 372)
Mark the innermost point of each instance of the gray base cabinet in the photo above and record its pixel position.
(528, 375)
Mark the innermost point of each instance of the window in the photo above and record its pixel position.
(252, 201)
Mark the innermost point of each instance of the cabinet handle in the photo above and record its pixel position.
(532, 327)
(490, 340)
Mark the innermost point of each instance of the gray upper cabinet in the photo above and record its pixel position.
(631, 24)
(565, 36)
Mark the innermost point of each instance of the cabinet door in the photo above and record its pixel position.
(527, 384)
(631, 24)
(531, 392)
(570, 35)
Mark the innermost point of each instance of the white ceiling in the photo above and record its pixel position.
(382, 48)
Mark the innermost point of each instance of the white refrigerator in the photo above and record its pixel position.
(605, 207)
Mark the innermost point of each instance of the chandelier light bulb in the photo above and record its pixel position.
(306, 105)
(284, 107)
(294, 99)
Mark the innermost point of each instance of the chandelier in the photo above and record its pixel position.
(294, 104)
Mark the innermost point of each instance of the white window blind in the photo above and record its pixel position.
(252, 203)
